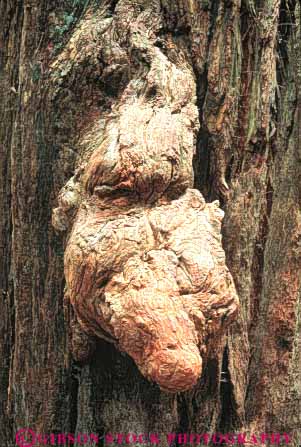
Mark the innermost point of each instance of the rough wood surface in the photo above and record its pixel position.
(144, 260)
(64, 66)
(154, 279)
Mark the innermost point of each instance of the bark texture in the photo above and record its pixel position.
(154, 280)
(64, 68)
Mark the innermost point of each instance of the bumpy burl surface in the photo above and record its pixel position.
(144, 263)
(155, 279)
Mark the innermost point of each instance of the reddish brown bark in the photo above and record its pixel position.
(56, 80)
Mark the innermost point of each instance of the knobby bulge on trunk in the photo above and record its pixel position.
(144, 263)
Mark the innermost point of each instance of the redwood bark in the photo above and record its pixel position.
(57, 77)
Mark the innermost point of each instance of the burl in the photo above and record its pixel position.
(144, 263)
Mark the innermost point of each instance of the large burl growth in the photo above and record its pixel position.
(144, 263)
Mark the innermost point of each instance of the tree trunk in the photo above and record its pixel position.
(64, 65)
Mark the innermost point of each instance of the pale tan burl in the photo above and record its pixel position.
(144, 263)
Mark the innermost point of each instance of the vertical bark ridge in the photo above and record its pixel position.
(246, 59)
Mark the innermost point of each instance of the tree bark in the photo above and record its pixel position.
(57, 79)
